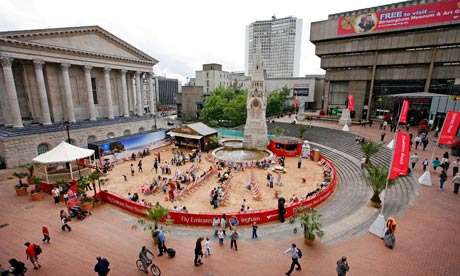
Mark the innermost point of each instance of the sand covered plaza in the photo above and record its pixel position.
(199, 199)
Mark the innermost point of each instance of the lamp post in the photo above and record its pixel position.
(154, 116)
(67, 127)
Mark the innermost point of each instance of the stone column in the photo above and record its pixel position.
(152, 99)
(89, 90)
(12, 101)
(140, 108)
(133, 93)
(124, 93)
(108, 91)
(45, 116)
(68, 92)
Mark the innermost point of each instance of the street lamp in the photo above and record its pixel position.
(154, 116)
(67, 125)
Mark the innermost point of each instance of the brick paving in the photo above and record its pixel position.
(427, 240)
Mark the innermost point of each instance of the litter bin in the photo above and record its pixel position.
(316, 155)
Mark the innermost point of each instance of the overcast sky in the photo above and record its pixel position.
(182, 35)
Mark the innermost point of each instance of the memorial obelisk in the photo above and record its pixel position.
(255, 130)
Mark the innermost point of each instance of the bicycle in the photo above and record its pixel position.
(153, 267)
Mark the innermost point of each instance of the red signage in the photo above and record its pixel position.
(205, 219)
(449, 128)
(400, 162)
(400, 18)
(404, 111)
(351, 103)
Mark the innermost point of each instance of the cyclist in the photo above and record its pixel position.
(143, 256)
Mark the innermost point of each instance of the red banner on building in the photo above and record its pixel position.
(404, 111)
(400, 18)
(400, 162)
(449, 128)
(351, 103)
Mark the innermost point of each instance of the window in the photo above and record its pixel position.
(126, 132)
(94, 88)
(110, 135)
(91, 139)
(42, 148)
(141, 129)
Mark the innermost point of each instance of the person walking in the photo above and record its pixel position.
(425, 142)
(220, 236)
(455, 165)
(425, 164)
(32, 252)
(299, 163)
(342, 266)
(17, 268)
(382, 136)
(155, 166)
(207, 247)
(295, 255)
(198, 252)
(46, 234)
(418, 140)
(254, 230)
(132, 169)
(139, 166)
(161, 242)
(233, 237)
(414, 160)
(436, 163)
(102, 266)
(55, 193)
(442, 179)
(64, 220)
(456, 183)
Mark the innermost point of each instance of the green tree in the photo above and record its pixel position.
(226, 106)
(276, 101)
(156, 214)
(369, 148)
(376, 178)
(278, 131)
(302, 129)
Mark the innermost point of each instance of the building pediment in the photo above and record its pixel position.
(92, 40)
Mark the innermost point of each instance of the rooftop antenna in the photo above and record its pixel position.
(273, 17)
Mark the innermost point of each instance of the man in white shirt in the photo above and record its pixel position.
(295, 255)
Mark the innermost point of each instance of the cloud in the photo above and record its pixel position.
(182, 35)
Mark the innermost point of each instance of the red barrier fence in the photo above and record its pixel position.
(205, 219)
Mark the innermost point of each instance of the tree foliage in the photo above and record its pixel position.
(369, 148)
(226, 106)
(376, 178)
(276, 102)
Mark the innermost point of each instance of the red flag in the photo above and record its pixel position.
(449, 128)
(296, 102)
(351, 103)
(400, 162)
(404, 111)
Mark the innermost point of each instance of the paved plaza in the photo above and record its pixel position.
(427, 242)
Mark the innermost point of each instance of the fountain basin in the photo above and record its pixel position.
(232, 151)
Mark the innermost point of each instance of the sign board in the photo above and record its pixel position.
(399, 18)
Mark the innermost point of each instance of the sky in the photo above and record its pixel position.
(182, 35)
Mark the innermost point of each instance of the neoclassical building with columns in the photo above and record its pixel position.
(82, 75)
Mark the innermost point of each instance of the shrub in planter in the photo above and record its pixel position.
(20, 187)
(376, 178)
(35, 193)
(311, 225)
(156, 213)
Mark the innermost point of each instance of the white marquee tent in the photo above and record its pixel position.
(63, 153)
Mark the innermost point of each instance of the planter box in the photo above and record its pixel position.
(36, 196)
(22, 191)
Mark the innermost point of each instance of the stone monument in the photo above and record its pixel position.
(255, 130)
(345, 119)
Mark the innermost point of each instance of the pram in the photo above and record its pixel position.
(78, 212)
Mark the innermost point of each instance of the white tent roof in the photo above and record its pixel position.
(64, 152)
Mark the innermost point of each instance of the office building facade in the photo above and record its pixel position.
(280, 42)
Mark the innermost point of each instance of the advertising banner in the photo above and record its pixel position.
(399, 18)
(400, 162)
(351, 103)
(404, 111)
(449, 128)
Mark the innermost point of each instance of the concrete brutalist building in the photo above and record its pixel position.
(406, 47)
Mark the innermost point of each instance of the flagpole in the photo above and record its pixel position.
(392, 157)
(434, 147)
